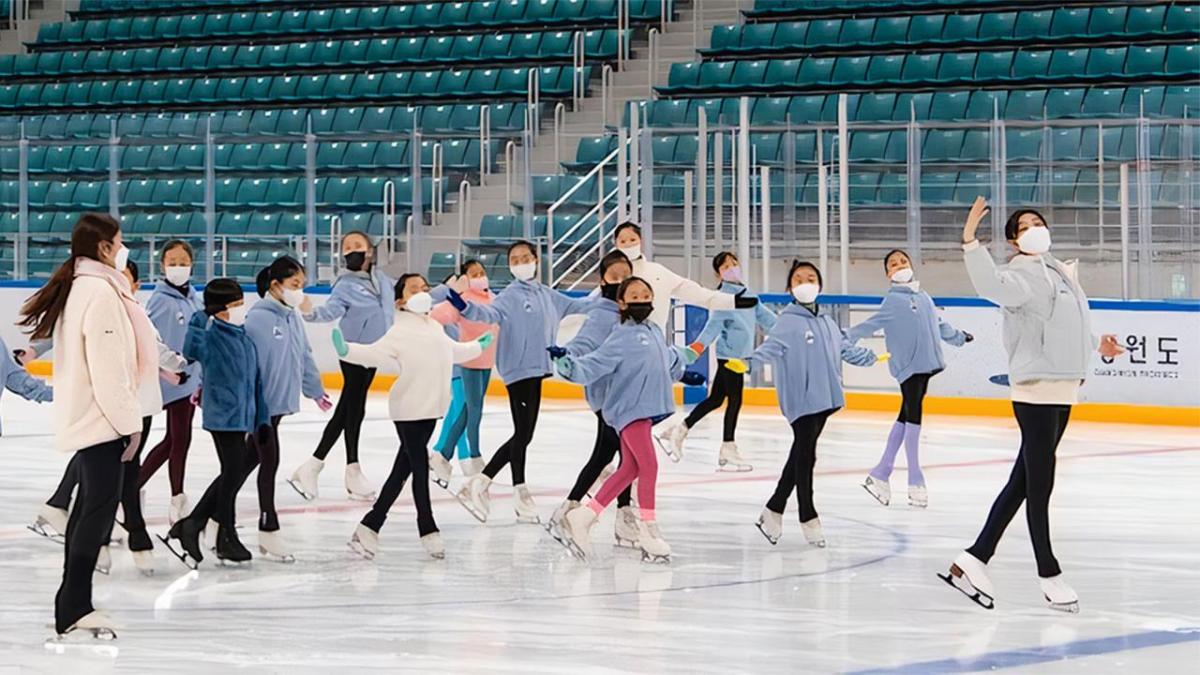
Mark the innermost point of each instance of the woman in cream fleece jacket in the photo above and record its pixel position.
(103, 348)
(418, 348)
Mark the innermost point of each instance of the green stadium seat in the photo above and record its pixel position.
(920, 68)
(850, 69)
(1031, 65)
(1023, 144)
(1107, 21)
(960, 28)
(1146, 19)
(956, 66)
(926, 28)
(823, 33)
(937, 187)
(986, 104)
(1183, 60)
(1182, 20)
(1066, 64)
(856, 31)
(996, 66)
(816, 70)
(1143, 61)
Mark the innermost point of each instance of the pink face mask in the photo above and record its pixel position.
(733, 274)
(478, 283)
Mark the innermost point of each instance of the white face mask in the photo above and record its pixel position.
(805, 293)
(293, 297)
(632, 252)
(121, 259)
(524, 272)
(419, 303)
(1034, 241)
(903, 276)
(178, 275)
(237, 315)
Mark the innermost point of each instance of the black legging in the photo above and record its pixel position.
(218, 501)
(725, 384)
(131, 503)
(265, 457)
(798, 472)
(524, 399)
(349, 413)
(411, 459)
(913, 392)
(100, 475)
(1031, 481)
(608, 444)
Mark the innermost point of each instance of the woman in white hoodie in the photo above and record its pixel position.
(417, 346)
(104, 347)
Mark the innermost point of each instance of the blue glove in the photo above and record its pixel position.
(456, 300)
(692, 379)
(339, 343)
(564, 367)
(485, 340)
(556, 352)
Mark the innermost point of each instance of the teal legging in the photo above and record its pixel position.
(465, 414)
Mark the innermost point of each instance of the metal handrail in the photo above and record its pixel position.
(335, 237)
(485, 143)
(595, 229)
(652, 70)
(533, 96)
(389, 215)
(510, 157)
(437, 176)
(464, 214)
(560, 112)
(578, 58)
(606, 84)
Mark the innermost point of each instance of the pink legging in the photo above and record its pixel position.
(639, 462)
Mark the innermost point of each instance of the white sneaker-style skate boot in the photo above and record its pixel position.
(1060, 596)
(51, 523)
(672, 441)
(555, 526)
(364, 542)
(144, 562)
(655, 549)
(628, 527)
(578, 524)
(304, 478)
(918, 496)
(474, 497)
(771, 525)
(179, 508)
(357, 486)
(440, 470)
(472, 466)
(272, 547)
(813, 533)
(969, 575)
(605, 473)
(93, 626)
(524, 505)
(881, 490)
(730, 459)
(104, 561)
(433, 545)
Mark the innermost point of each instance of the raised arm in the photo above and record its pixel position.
(445, 314)
(591, 367)
(565, 305)
(379, 354)
(333, 309)
(493, 313)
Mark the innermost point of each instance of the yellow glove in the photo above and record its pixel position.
(738, 366)
(882, 358)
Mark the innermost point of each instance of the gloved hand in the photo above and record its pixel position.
(183, 376)
(556, 352)
(339, 343)
(456, 300)
(564, 367)
(485, 340)
(741, 302)
(883, 358)
(693, 379)
(195, 398)
(967, 337)
(738, 366)
(690, 353)
(262, 435)
(323, 403)
(24, 356)
(131, 446)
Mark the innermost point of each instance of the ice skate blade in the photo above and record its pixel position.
(529, 520)
(41, 530)
(95, 641)
(437, 556)
(576, 551)
(234, 564)
(918, 505)
(467, 504)
(444, 484)
(667, 449)
(300, 491)
(183, 557)
(729, 467)
(879, 499)
(285, 559)
(356, 546)
(625, 543)
(759, 525)
(354, 497)
(554, 529)
(656, 559)
(959, 582)
(1066, 607)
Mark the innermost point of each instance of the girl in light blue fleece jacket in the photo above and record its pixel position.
(734, 331)
(528, 313)
(16, 379)
(914, 332)
(803, 350)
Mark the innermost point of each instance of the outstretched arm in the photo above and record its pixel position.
(878, 321)
(591, 367)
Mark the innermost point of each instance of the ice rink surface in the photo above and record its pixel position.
(509, 599)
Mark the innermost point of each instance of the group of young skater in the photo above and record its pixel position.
(247, 366)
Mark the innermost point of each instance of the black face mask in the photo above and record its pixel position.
(355, 261)
(609, 291)
(638, 311)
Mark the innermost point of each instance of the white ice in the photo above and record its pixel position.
(507, 598)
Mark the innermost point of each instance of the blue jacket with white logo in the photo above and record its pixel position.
(602, 319)
(365, 303)
(171, 311)
(734, 329)
(284, 356)
(913, 331)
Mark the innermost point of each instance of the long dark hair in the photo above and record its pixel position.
(284, 267)
(43, 309)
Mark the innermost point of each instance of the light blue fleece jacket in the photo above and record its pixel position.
(734, 329)
(640, 368)
(803, 349)
(171, 311)
(528, 313)
(913, 331)
(284, 356)
(363, 301)
(17, 380)
(602, 319)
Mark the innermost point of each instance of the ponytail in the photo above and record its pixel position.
(284, 267)
(43, 309)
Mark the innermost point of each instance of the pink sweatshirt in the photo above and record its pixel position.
(445, 314)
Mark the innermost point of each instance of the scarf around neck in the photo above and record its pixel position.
(143, 330)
